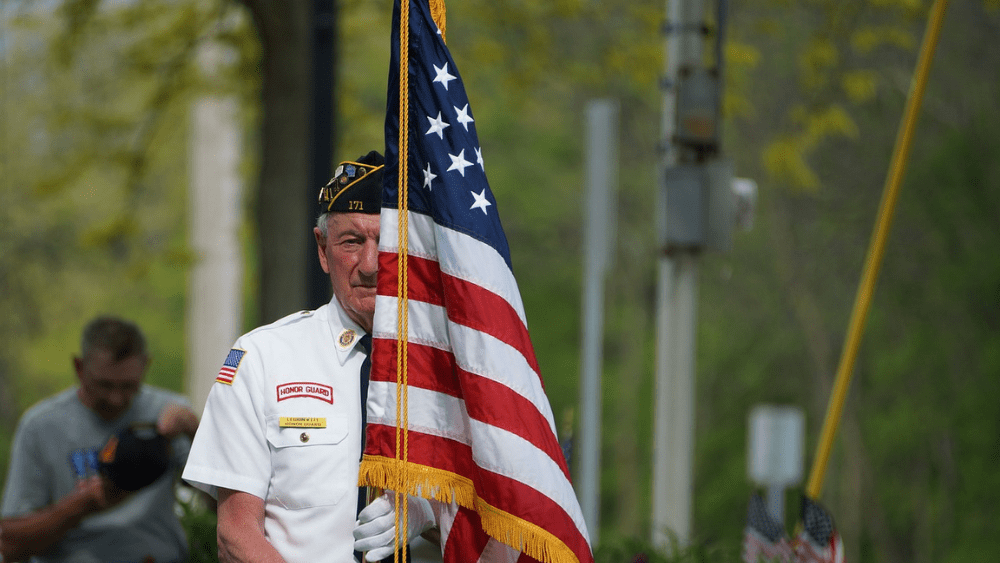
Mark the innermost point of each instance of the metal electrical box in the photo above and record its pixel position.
(685, 188)
(697, 108)
(700, 205)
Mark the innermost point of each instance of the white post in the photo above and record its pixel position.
(775, 447)
(677, 294)
(598, 228)
(215, 287)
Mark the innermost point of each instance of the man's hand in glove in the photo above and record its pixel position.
(375, 530)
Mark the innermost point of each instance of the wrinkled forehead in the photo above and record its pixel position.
(361, 223)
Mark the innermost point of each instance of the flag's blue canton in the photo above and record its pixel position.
(447, 178)
(233, 359)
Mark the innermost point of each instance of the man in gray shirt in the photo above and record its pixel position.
(57, 507)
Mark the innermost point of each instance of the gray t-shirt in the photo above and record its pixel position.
(56, 445)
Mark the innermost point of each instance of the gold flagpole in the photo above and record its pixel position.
(876, 250)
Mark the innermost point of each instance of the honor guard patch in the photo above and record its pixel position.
(305, 389)
(230, 366)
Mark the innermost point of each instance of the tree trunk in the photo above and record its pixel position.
(282, 211)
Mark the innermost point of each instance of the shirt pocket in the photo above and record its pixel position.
(311, 466)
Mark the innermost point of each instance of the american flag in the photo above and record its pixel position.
(481, 433)
(229, 367)
(818, 542)
(764, 539)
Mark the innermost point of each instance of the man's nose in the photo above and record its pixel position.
(118, 398)
(369, 259)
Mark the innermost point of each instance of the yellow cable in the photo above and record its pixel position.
(876, 250)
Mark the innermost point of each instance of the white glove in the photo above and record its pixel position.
(375, 530)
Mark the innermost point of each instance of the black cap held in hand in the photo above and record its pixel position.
(356, 186)
(135, 457)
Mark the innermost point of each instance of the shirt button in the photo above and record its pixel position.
(304, 437)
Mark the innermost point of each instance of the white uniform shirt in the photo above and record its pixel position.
(283, 423)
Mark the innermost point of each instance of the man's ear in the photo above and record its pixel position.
(321, 249)
(78, 366)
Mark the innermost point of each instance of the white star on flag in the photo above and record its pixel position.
(459, 163)
(481, 201)
(437, 126)
(463, 116)
(442, 75)
(428, 176)
(479, 158)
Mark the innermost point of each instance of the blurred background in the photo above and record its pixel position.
(103, 209)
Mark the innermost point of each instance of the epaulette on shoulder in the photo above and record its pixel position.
(286, 320)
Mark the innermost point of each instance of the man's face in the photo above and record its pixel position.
(107, 387)
(349, 253)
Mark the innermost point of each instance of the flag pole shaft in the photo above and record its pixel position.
(876, 250)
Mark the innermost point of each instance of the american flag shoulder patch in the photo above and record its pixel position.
(230, 366)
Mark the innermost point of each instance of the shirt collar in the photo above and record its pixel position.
(346, 333)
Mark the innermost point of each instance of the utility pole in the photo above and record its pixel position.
(598, 242)
(694, 213)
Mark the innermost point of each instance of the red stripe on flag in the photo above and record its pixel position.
(466, 540)
(423, 278)
(427, 367)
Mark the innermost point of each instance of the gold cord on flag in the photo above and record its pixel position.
(397, 473)
(401, 488)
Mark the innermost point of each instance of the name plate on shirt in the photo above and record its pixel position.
(301, 422)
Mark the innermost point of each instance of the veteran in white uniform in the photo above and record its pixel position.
(280, 439)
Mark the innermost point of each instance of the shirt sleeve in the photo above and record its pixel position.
(27, 488)
(230, 448)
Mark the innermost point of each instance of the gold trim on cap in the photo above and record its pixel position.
(326, 192)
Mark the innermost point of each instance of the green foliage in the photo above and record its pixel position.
(92, 210)
(634, 550)
(200, 526)
(93, 179)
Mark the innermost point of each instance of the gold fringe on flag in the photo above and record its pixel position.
(438, 14)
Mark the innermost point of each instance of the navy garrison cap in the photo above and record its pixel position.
(135, 457)
(356, 186)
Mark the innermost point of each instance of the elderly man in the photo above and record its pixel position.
(280, 440)
(57, 504)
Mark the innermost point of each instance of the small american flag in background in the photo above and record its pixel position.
(481, 432)
(229, 367)
(819, 541)
(764, 539)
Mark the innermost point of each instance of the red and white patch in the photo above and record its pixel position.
(305, 389)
